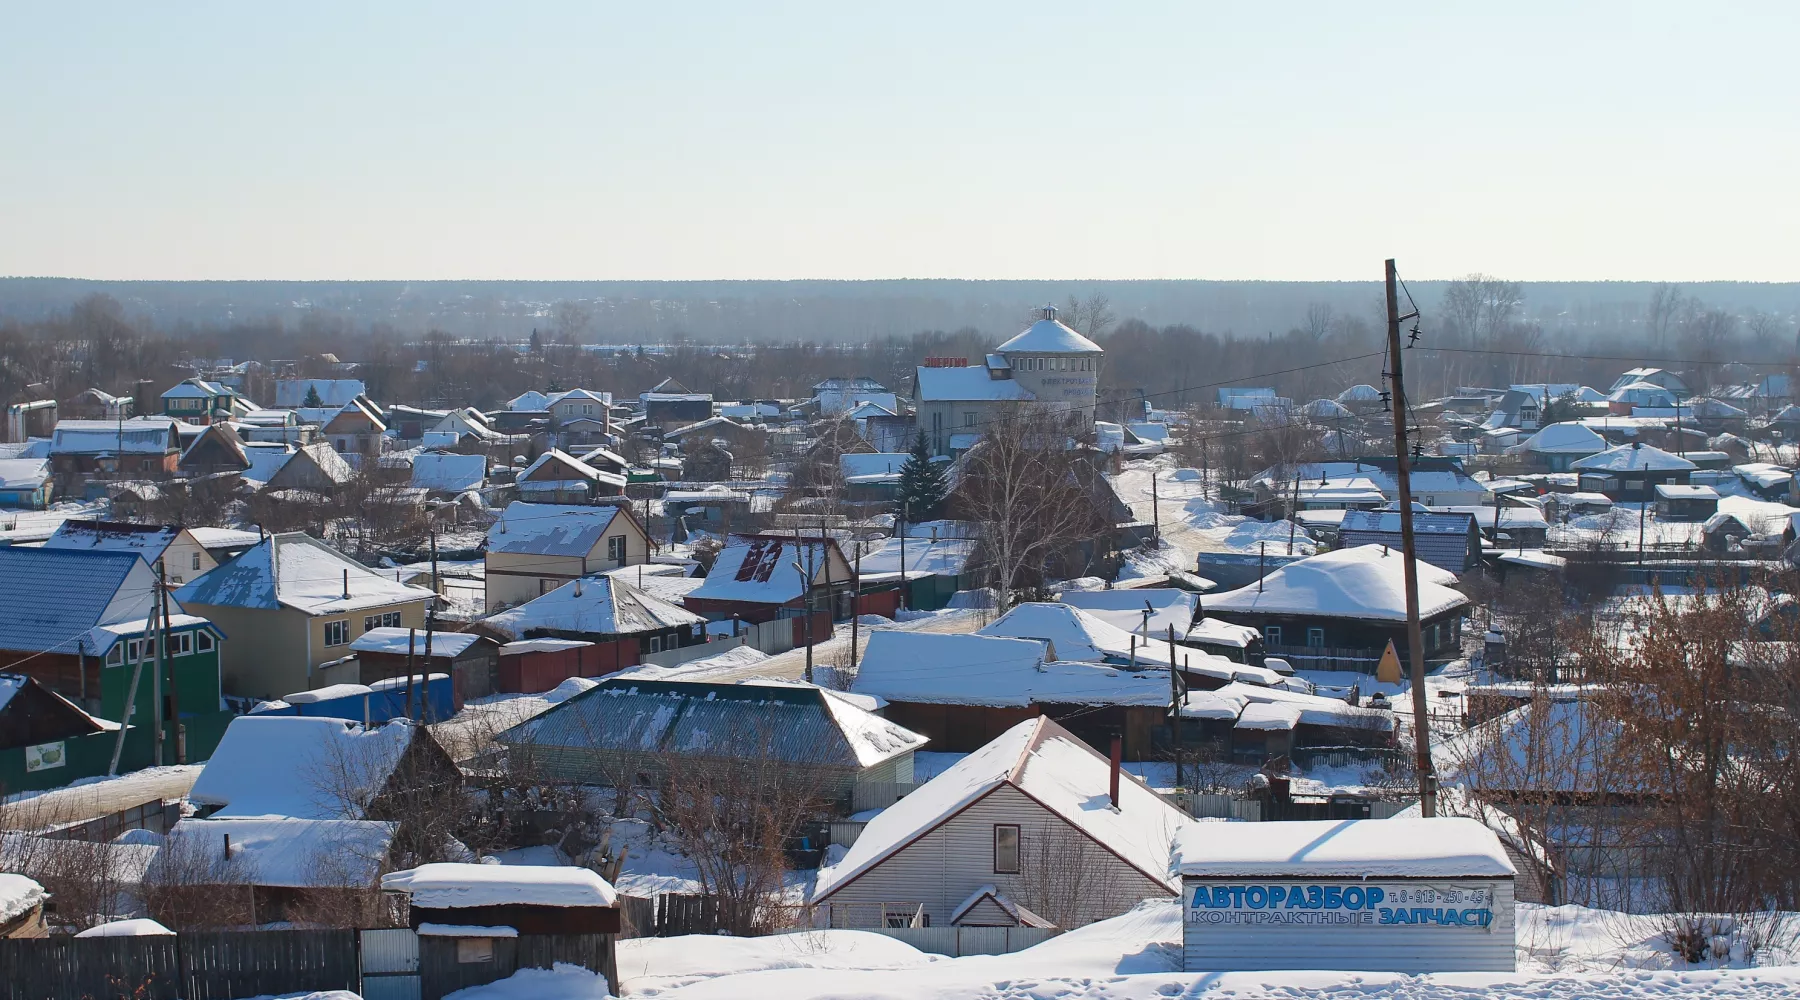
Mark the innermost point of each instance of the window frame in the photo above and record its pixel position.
(116, 655)
(181, 643)
(196, 561)
(1272, 635)
(342, 627)
(204, 641)
(1311, 633)
(1018, 841)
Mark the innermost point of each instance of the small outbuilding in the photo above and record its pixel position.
(1676, 502)
(1391, 895)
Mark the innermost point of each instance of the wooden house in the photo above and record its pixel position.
(472, 660)
(761, 578)
(25, 483)
(650, 731)
(1338, 610)
(291, 604)
(473, 921)
(315, 468)
(1631, 472)
(624, 623)
(22, 907)
(534, 548)
(559, 477)
(356, 429)
(1448, 540)
(962, 691)
(86, 454)
(995, 828)
(183, 555)
(217, 450)
(197, 401)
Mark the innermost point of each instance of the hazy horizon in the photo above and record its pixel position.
(562, 141)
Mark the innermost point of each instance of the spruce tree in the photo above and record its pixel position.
(923, 483)
(312, 397)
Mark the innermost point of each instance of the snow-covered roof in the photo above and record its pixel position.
(761, 568)
(1023, 916)
(1342, 584)
(133, 927)
(1544, 746)
(276, 765)
(291, 393)
(530, 400)
(1310, 709)
(972, 669)
(1567, 438)
(196, 388)
(1679, 491)
(1074, 634)
(601, 605)
(1642, 393)
(450, 885)
(137, 436)
(1764, 474)
(524, 646)
(295, 570)
(924, 557)
(394, 640)
(1267, 716)
(292, 853)
(1442, 847)
(873, 468)
(972, 382)
(18, 895)
(145, 540)
(1387, 522)
(1636, 457)
(551, 529)
(1124, 609)
(448, 473)
(1048, 336)
(225, 538)
(1360, 393)
(1223, 633)
(1325, 409)
(1051, 765)
(800, 724)
(23, 473)
(569, 463)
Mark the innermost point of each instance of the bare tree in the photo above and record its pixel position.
(192, 884)
(1664, 312)
(1021, 488)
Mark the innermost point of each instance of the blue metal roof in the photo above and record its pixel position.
(50, 598)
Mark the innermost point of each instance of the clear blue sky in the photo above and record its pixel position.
(854, 140)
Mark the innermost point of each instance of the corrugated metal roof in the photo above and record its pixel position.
(52, 597)
(736, 721)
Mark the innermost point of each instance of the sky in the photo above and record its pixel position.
(398, 140)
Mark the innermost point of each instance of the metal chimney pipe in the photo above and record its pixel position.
(1118, 755)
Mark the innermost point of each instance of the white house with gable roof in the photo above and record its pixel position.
(993, 842)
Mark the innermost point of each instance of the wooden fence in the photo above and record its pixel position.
(202, 965)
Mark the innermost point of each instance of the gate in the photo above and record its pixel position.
(390, 964)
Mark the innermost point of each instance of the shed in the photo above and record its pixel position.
(530, 899)
(1678, 502)
(1447, 540)
(1391, 895)
(472, 660)
(533, 665)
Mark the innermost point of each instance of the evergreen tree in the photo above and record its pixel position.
(923, 483)
(312, 397)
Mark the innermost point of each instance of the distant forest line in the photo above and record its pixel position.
(630, 312)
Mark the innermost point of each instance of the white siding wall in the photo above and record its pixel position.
(946, 866)
(1362, 947)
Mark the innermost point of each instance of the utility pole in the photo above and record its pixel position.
(856, 592)
(1155, 512)
(1293, 510)
(905, 512)
(156, 682)
(171, 696)
(1403, 474)
(1177, 701)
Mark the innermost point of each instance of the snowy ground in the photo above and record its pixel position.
(1136, 957)
(1191, 524)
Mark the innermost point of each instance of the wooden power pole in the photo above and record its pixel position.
(1409, 553)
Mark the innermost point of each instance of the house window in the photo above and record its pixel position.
(196, 565)
(337, 633)
(968, 418)
(656, 644)
(115, 655)
(181, 643)
(176, 579)
(338, 443)
(472, 950)
(1315, 637)
(389, 620)
(615, 549)
(1272, 635)
(1006, 848)
(204, 641)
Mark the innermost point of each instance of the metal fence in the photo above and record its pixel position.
(200, 965)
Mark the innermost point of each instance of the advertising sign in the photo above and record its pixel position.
(45, 756)
(1373, 904)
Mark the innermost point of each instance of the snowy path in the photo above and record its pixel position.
(1190, 523)
(98, 798)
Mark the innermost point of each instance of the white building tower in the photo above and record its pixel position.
(1059, 367)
